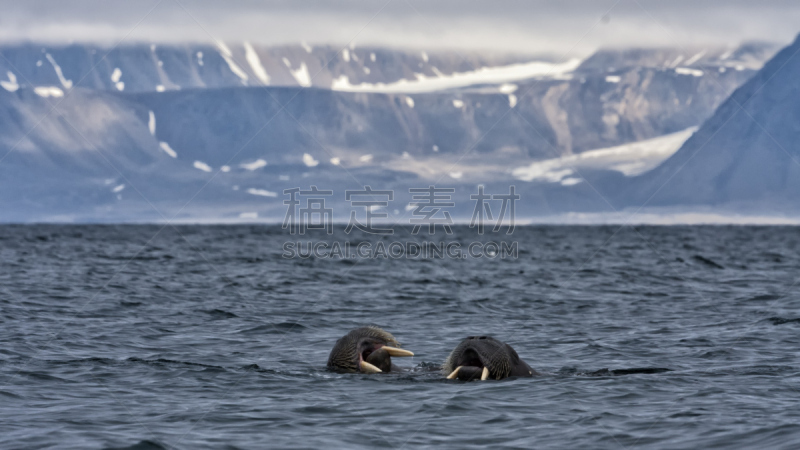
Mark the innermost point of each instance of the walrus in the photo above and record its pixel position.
(366, 350)
(484, 358)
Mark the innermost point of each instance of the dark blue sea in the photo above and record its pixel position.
(193, 337)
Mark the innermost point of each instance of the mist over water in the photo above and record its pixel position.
(205, 337)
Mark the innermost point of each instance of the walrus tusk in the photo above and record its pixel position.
(454, 373)
(392, 351)
(369, 368)
(485, 374)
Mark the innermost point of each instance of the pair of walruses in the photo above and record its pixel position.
(370, 350)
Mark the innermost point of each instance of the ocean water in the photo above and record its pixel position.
(207, 337)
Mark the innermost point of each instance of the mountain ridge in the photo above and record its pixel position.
(126, 155)
(746, 154)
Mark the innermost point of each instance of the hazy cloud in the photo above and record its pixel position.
(558, 27)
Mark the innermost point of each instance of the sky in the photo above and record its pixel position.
(558, 27)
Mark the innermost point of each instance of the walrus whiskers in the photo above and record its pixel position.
(484, 357)
(366, 350)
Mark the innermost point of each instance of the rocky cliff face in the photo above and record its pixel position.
(135, 133)
(157, 68)
(746, 156)
(611, 98)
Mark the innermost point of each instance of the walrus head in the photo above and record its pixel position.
(365, 349)
(483, 358)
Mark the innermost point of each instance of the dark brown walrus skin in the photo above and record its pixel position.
(365, 344)
(475, 353)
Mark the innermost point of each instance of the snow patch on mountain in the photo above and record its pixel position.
(227, 55)
(512, 100)
(262, 192)
(167, 149)
(255, 63)
(484, 75)
(10, 85)
(257, 164)
(64, 82)
(695, 58)
(48, 91)
(688, 71)
(629, 159)
(507, 88)
(301, 75)
(309, 160)
(571, 181)
(115, 76)
(200, 165)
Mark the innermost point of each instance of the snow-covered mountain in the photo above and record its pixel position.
(158, 68)
(134, 133)
(746, 157)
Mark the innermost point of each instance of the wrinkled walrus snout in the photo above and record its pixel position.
(366, 350)
(484, 358)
